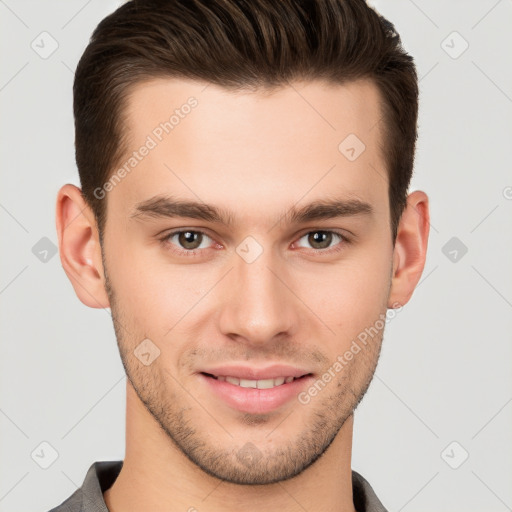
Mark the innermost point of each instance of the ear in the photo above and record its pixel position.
(410, 248)
(79, 247)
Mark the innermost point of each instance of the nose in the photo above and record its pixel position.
(257, 303)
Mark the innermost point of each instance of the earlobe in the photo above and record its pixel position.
(410, 248)
(79, 248)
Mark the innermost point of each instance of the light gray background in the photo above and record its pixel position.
(445, 369)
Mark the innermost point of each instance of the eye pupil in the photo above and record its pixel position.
(187, 238)
(315, 238)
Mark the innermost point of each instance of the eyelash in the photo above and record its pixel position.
(165, 240)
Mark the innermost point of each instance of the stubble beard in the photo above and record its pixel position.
(245, 463)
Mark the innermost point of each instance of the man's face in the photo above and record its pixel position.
(236, 300)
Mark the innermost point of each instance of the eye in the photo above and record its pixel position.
(187, 241)
(320, 240)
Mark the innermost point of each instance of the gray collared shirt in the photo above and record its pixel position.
(102, 474)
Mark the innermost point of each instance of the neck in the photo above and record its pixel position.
(156, 475)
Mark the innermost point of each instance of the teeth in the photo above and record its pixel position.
(258, 384)
(267, 383)
(244, 383)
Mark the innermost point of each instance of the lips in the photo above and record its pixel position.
(275, 371)
(255, 390)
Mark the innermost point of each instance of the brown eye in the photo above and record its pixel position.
(190, 239)
(186, 241)
(322, 240)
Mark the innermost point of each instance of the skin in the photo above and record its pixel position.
(256, 154)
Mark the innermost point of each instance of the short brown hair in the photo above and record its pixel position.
(240, 44)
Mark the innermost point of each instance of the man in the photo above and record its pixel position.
(245, 215)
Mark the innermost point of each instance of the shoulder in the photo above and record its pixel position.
(89, 497)
(364, 497)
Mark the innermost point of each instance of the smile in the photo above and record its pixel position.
(257, 384)
(256, 396)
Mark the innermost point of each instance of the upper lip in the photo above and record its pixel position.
(252, 373)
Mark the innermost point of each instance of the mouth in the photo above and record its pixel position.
(256, 383)
(255, 391)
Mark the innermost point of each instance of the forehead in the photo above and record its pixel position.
(323, 109)
(255, 149)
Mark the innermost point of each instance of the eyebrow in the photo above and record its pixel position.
(170, 207)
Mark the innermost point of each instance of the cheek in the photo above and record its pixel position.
(350, 296)
(153, 294)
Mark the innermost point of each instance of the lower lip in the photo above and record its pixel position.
(256, 401)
